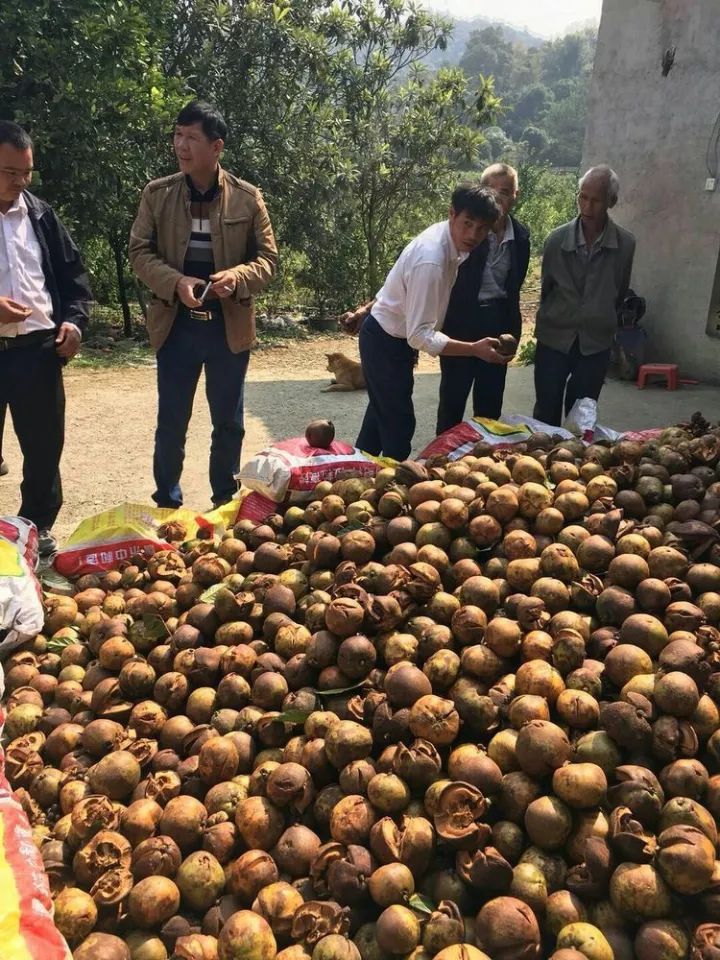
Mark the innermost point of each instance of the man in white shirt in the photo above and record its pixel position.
(406, 316)
(485, 302)
(44, 306)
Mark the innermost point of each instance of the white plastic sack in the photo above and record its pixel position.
(582, 422)
(460, 439)
(21, 609)
(607, 433)
(292, 468)
(582, 419)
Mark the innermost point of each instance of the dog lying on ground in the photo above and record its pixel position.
(347, 373)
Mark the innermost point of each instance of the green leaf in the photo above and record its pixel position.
(418, 902)
(208, 596)
(58, 644)
(293, 716)
(155, 627)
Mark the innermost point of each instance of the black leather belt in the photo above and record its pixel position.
(27, 339)
(203, 315)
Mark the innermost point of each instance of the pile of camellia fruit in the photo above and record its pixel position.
(464, 710)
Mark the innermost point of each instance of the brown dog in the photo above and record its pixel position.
(348, 373)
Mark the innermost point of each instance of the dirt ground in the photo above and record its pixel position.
(111, 419)
(110, 423)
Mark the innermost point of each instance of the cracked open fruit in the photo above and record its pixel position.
(468, 709)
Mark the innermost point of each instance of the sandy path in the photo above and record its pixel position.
(111, 420)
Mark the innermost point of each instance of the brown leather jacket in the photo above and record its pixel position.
(242, 240)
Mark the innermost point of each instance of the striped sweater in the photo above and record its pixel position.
(199, 257)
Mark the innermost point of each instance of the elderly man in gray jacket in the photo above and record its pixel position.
(586, 271)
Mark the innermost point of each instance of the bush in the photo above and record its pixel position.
(525, 357)
(547, 200)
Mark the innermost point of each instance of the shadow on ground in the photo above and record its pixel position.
(284, 409)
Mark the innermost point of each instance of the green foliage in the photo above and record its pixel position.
(489, 53)
(547, 200)
(536, 141)
(544, 91)
(529, 109)
(525, 357)
(331, 111)
(569, 57)
(328, 108)
(85, 77)
(565, 127)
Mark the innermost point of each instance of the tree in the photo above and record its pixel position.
(408, 134)
(329, 108)
(489, 53)
(569, 57)
(536, 141)
(547, 200)
(496, 144)
(86, 81)
(565, 125)
(529, 108)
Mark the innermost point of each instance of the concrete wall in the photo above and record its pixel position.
(654, 131)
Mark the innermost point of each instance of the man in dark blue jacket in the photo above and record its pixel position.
(485, 302)
(44, 306)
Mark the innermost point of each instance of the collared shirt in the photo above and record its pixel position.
(581, 243)
(414, 298)
(580, 290)
(497, 265)
(21, 271)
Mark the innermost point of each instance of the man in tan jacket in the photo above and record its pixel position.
(203, 243)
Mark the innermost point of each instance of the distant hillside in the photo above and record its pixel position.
(461, 34)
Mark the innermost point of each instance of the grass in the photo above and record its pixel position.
(105, 346)
(125, 353)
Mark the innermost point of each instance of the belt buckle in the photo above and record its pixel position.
(200, 315)
(5, 343)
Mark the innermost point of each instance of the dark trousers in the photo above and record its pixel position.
(387, 363)
(460, 375)
(571, 375)
(31, 386)
(191, 345)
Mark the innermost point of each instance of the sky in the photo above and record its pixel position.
(545, 17)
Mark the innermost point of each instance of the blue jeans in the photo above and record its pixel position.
(191, 345)
(387, 364)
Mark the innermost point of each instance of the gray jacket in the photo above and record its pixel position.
(580, 295)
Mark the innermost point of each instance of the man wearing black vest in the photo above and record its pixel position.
(45, 302)
(485, 302)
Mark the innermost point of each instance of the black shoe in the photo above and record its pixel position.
(4, 468)
(47, 544)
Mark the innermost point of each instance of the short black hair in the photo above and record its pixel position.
(211, 120)
(476, 200)
(14, 134)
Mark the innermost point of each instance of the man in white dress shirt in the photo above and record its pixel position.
(44, 306)
(407, 314)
